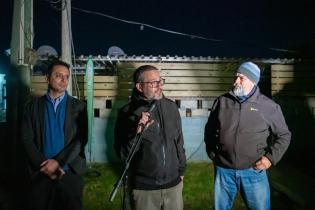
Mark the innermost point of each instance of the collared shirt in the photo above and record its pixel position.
(55, 101)
(55, 115)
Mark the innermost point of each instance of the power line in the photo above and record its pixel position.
(147, 25)
(142, 25)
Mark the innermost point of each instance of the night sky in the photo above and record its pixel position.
(243, 28)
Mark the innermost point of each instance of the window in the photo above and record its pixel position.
(3, 98)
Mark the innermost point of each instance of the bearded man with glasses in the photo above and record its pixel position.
(157, 169)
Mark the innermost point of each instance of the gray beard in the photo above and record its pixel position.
(239, 91)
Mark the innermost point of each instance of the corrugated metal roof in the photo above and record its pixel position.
(167, 58)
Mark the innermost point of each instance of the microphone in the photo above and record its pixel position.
(152, 106)
(133, 149)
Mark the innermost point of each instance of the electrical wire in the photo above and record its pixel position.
(196, 150)
(192, 36)
(142, 25)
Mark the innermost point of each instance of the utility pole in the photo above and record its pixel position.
(66, 38)
(18, 80)
(19, 75)
(17, 32)
(22, 30)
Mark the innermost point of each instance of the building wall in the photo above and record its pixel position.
(193, 86)
(102, 144)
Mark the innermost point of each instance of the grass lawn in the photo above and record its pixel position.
(198, 189)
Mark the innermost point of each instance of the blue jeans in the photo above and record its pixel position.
(252, 184)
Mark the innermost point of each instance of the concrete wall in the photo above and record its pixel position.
(102, 144)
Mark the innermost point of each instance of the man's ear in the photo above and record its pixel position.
(139, 87)
(249, 86)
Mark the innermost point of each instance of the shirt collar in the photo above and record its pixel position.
(58, 99)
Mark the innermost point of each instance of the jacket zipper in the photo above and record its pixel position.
(164, 137)
(163, 150)
(237, 130)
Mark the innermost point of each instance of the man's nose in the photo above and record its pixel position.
(237, 80)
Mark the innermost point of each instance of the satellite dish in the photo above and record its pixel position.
(115, 51)
(46, 51)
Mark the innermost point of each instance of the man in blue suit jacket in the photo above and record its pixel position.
(54, 134)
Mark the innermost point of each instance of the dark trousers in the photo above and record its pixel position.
(63, 194)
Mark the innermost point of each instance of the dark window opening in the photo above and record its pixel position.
(199, 104)
(188, 113)
(96, 112)
(108, 104)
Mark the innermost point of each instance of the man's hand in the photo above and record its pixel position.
(144, 121)
(49, 168)
(60, 173)
(262, 164)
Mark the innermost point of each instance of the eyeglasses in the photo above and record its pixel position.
(155, 84)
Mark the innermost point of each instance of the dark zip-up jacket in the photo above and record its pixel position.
(75, 130)
(238, 134)
(160, 159)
